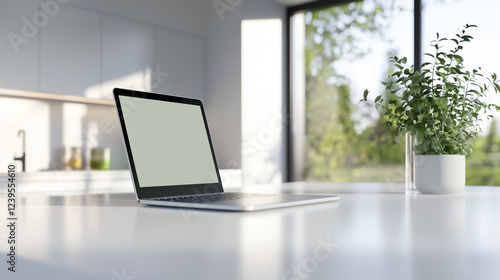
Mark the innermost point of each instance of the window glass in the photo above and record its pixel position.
(446, 17)
(346, 49)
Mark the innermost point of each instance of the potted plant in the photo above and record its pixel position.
(440, 104)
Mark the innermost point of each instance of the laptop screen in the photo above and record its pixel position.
(168, 141)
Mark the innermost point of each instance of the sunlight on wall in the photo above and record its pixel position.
(32, 116)
(72, 124)
(52, 128)
(140, 80)
(298, 92)
(261, 90)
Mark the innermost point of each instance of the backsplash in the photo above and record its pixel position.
(52, 128)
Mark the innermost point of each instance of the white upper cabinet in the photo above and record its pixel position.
(70, 49)
(180, 64)
(70, 52)
(127, 55)
(19, 44)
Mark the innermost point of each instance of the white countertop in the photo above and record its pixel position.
(375, 231)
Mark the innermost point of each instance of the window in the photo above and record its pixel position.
(339, 50)
(484, 162)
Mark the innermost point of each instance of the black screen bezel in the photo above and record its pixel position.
(170, 190)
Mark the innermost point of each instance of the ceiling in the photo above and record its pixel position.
(289, 3)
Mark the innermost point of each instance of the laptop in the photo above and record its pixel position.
(172, 160)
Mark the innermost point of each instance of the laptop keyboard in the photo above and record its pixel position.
(212, 197)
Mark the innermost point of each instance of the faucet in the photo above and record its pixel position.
(23, 158)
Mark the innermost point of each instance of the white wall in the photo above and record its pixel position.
(224, 83)
(243, 112)
(262, 93)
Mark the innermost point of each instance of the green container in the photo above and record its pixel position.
(100, 158)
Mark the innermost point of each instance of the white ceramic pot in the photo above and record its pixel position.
(439, 174)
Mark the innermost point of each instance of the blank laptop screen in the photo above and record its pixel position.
(169, 142)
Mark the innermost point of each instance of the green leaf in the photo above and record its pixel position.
(365, 94)
(437, 101)
(442, 102)
(497, 87)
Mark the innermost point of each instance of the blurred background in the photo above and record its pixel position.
(60, 60)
